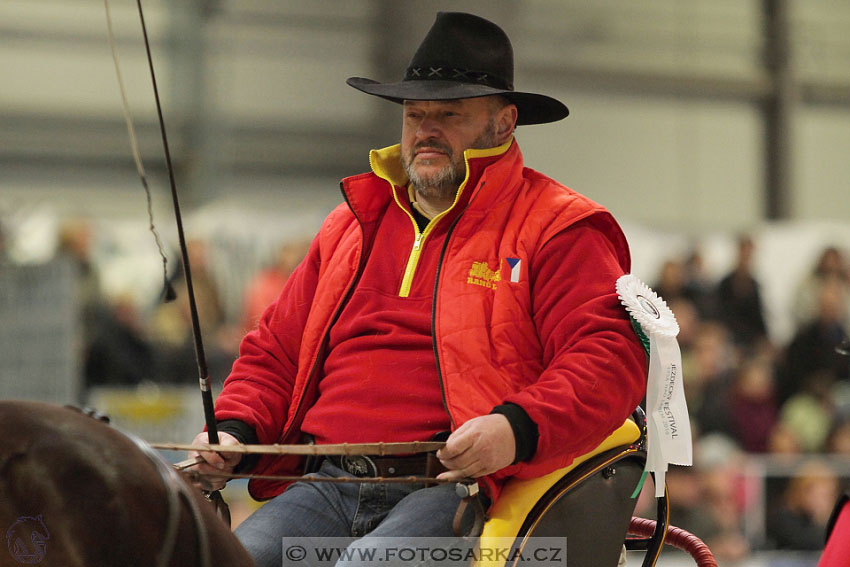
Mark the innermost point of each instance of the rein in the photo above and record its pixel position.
(375, 449)
(331, 449)
(197, 475)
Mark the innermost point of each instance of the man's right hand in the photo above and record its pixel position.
(218, 463)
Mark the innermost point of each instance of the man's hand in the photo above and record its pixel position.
(479, 447)
(215, 462)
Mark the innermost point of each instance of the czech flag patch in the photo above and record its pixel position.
(515, 265)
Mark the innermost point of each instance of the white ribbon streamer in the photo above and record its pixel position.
(668, 437)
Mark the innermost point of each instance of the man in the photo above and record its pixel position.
(454, 290)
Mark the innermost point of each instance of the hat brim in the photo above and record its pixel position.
(531, 108)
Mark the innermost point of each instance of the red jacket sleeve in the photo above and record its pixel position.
(595, 366)
(259, 388)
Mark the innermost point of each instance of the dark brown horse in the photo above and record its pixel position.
(76, 492)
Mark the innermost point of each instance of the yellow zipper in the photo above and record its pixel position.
(413, 259)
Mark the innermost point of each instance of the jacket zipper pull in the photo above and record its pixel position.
(418, 242)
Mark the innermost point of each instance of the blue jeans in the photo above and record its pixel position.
(360, 510)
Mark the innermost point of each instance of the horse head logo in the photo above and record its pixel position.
(27, 539)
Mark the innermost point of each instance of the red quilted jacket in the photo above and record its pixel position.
(578, 378)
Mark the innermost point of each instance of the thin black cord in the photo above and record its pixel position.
(168, 290)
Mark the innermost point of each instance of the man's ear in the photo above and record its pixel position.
(506, 122)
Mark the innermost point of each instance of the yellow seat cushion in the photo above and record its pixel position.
(519, 496)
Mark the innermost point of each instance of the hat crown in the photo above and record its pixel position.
(464, 48)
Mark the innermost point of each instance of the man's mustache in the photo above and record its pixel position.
(432, 144)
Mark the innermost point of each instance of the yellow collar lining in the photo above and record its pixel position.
(386, 162)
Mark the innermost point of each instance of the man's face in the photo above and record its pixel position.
(434, 136)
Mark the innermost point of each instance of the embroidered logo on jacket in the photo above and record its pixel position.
(481, 274)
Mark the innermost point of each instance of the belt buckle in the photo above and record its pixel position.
(359, 465)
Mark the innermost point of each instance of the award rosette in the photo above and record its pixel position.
(668, 435)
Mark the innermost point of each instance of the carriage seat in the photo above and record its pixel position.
(551, 506)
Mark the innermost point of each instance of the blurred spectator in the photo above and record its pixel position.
(180, 366)
(687, 504)
(698, 287)
(268, 283)
(173, 323)
(799, 522)
(718, 461)
(739, 299)
(75, 245)
(684, 280)
(671, 281)
(809, 413)
(119, 353)
(753, 405)
(709, 370)
(838, 440)
(784, 441)
(688, 319)
(813, 347)
(830, 267)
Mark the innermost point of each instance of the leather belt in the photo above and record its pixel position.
(376, 466)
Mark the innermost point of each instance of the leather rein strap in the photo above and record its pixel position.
(326, 450)
(374, 449)
(195, 476)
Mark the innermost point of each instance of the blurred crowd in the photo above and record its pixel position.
(760, 410)
(785, 407)
(127, 340)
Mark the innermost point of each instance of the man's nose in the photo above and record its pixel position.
(428, 128)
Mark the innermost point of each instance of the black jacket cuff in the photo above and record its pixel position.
(525, 430)
(246, 435)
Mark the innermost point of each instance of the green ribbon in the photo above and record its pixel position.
(640, 484)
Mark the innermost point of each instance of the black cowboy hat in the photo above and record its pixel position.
(464, 56)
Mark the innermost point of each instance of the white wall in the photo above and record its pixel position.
(679, 165)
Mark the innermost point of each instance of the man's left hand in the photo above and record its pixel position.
(479, 447)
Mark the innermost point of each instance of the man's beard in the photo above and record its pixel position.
(443, 184)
